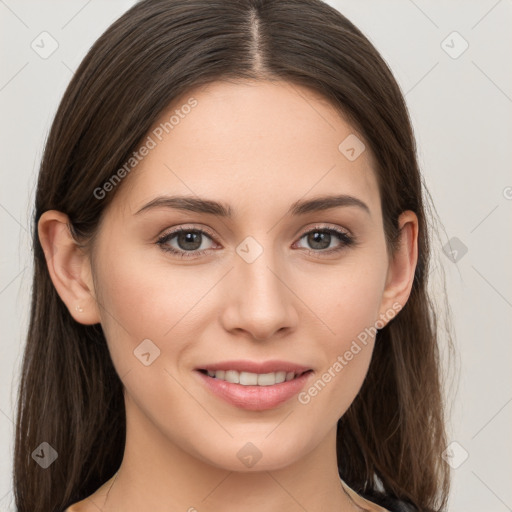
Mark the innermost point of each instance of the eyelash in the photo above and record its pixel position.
(346, 239)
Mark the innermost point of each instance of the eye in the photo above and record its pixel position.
(189, 242)
(321, 238)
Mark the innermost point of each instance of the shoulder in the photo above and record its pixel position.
(392, 504)
(79, 506)
(86, 505)
(380, 502)
(92, 502)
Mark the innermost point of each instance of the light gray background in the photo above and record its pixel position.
(462, 115)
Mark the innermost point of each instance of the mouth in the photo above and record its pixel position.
(253, 386)
(253, 379)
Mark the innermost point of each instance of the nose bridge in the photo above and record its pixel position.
(259, 300)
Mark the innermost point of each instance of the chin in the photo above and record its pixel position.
(261, 454)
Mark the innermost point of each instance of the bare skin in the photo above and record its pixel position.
(257, 147)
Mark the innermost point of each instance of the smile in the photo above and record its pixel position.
(254, 386)
(252, 379)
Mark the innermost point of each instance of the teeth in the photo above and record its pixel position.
(232, 376)
(252, 379)
(249, 379)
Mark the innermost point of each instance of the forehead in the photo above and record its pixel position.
(251, 144)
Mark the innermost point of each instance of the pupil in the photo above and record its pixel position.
(319, 238)
(185, 239)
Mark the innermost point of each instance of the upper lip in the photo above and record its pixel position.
(256, 367)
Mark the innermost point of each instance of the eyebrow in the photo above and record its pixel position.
(208, 206)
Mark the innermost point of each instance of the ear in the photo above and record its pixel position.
(400, 275)
(69, 267)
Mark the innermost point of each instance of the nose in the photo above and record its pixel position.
(259, 299)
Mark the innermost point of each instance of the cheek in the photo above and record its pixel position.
(141, 300)
(347, 302)
(346, 357)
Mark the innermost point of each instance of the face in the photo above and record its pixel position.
(265, 293)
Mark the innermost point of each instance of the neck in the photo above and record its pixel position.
(155, 471)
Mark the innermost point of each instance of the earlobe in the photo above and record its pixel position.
(400, 276)
(68, 266)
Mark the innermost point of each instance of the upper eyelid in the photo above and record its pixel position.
(173, 231)
(321, 227)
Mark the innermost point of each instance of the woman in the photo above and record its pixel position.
(230, 305)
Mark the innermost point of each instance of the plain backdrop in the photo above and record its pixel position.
(453, 62)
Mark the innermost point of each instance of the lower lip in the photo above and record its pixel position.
(255, 398)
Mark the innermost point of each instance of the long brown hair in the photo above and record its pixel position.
(391, 439)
